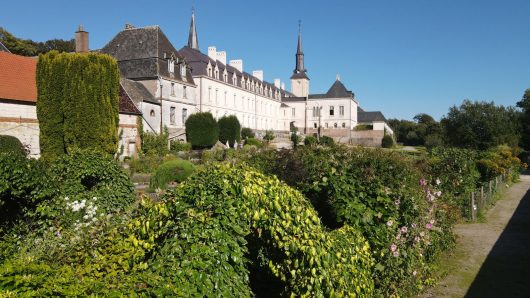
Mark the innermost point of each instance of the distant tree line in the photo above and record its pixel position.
(28, 47)
(474, 125)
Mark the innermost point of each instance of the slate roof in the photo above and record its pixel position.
(337, 90)
(127, 106)
(17, 77)
(369, 117)
(144, 53)
(299, 75)
(137, 92)
(293, 98)
(199, 64)
(3, 48)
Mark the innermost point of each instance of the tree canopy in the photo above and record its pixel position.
(524, 104)
(28, 47)
(481, 125)
(422, 131)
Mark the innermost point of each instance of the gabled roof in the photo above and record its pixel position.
(337, 90)
(4, 48)
(137, 92)
(17, 77)
(369, 117)
(127, 106)
(144, 53)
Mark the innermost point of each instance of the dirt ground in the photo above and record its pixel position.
(492, 259)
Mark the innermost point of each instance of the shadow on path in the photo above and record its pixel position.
(506, 270)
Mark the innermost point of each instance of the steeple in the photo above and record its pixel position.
(299, 71)
(193, 41)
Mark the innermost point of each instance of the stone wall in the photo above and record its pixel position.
(368, 138)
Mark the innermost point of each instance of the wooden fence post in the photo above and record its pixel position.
(473, 206)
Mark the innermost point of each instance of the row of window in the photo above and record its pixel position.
(317, 110)
(246, 105)
(326, 125)
(184, 92)
(245, 83)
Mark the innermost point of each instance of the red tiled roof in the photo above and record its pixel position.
(17, 77)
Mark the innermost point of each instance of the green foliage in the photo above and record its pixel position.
(178, 146)
(326, 141)
(481, 125)
(524, 105)
(247, 133)
(27, 47)
(419, 132)
(82, 175)
(379, 193)
(23, 185)
(229, 130)
(12, 145)
(269, 136)
(77, 104)
(360, 127)
(295, 138)
(310, 141)
(155, 144)
(202, 130)
(171, 171)
(498, 161)
(254, 142)
(387, 142)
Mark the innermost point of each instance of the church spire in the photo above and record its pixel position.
(193, 41)
(299, 71)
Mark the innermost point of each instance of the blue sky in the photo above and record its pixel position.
(401, 57)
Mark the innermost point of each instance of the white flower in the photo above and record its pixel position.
(438, 181)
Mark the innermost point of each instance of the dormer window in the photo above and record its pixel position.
(225, 77)
(183, 71)
(171, 65)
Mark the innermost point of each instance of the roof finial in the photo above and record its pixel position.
(338, 77)
(299, 26)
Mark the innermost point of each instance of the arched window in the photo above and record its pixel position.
(152, 113)
(335, 125)
(315, 125)
(343, 125)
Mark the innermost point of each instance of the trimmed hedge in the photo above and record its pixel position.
(10, 144)
(171, 171)
(202, 131)
(229, 130)
(78, 103)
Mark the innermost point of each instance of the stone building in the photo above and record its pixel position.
(157, 76)
(225, 88)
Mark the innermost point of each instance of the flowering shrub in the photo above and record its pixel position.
(498, 161)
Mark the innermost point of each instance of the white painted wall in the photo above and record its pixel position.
(20, 121)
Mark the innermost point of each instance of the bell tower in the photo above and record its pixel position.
(299, 79)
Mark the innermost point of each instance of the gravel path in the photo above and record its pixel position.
(492, 259)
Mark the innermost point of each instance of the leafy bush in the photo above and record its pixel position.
(254, 142)
(82, 175)
(154, 144)
(171, 171)
(406, 223)
(23, 185)
(178, 146)
(269, 136)
(247, 133)
(360, 127)
(387, 142)
(498, 161)
(310, 141)
(10, 144)
(202, 130)
(295, 139)
(229, 130)
(326, 141)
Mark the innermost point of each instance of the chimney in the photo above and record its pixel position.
(129, 26)
(81, 40)
(258, 74)
(212, 53)
(237, 64)
(283, 86)
(277, 83)
(221, 56)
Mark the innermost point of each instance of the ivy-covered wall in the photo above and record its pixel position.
(78, 103)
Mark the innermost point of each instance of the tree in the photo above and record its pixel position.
(269, 136)
(28, 47)
(202, 131)
(229, 130)
(524, 104)
(480, 125)
(78, 103)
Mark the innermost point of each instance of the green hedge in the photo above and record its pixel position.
(78, 103)
(229, 130)
(10, 144)
(202, 131)
(171, 171)
(387, 142)
(247, 133)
